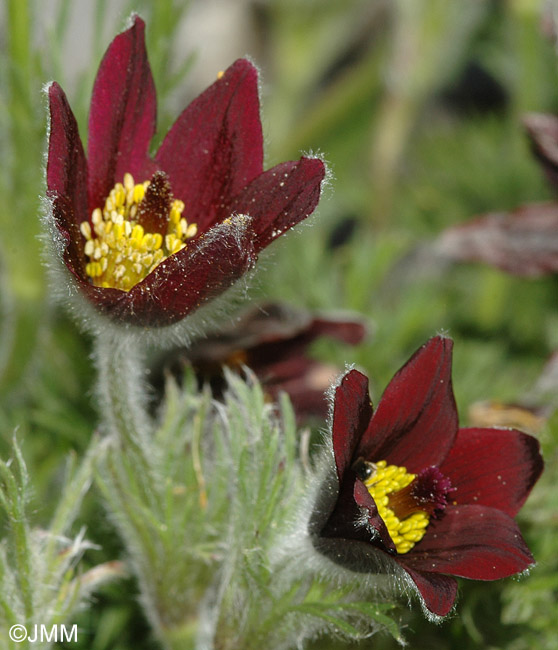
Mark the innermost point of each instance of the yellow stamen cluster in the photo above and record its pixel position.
(385, 480)
(120, 252)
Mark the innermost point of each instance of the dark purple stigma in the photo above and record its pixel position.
(428, 492)
(430, 489)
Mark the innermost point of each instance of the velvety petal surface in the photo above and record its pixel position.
(66, 176)
(438, 591)
(493, 467)
(415, 422)
(471, 541)
(280, 198)
(122, 115)
(215, 147)
(351, 414)
(523, 242)
(185, 281)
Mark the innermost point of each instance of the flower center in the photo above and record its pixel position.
(405, 501)
(120, 251)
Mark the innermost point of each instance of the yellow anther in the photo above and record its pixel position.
(118, 230)
(192, 230)
(169, 241)
(119, 197)
(137, 233)
(128, 182)
(386, 480)
(96, 216)
(118, 250)
(139, 193)
(85, 229)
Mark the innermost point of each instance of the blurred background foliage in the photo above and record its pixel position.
(416, 105)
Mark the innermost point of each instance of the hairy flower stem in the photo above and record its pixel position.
(122, 394)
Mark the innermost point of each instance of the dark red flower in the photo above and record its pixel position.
(272, 340)
(436, 499)
(523, 241)
(150, 239)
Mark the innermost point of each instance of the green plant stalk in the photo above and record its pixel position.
(122, 394)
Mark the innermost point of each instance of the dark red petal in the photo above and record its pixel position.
(523, 242)
(185, 281)
(66, 176)
(543, 133)
(416, 420)
(122, 115)
(493, 467)
(280, 197)
(215, 147)
(471, 541)
(349, 330)
(352, 411)
(438, 591)
(305, 390)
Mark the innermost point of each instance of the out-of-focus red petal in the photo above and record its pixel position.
(471, 541)
(348, 330)
(415, 422)
(185, 281)
(305, 389)
(122, 115)
(66, 176)
(352, 411)
(493, 467)
(523, 242)
(438, 591)
(215, 147)
(280, 197)
(543, 133)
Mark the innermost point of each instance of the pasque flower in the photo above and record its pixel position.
(523, 241)
(272, 339)
(149, 239)
(415, 488)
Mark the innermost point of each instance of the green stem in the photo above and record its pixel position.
(123, 395)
